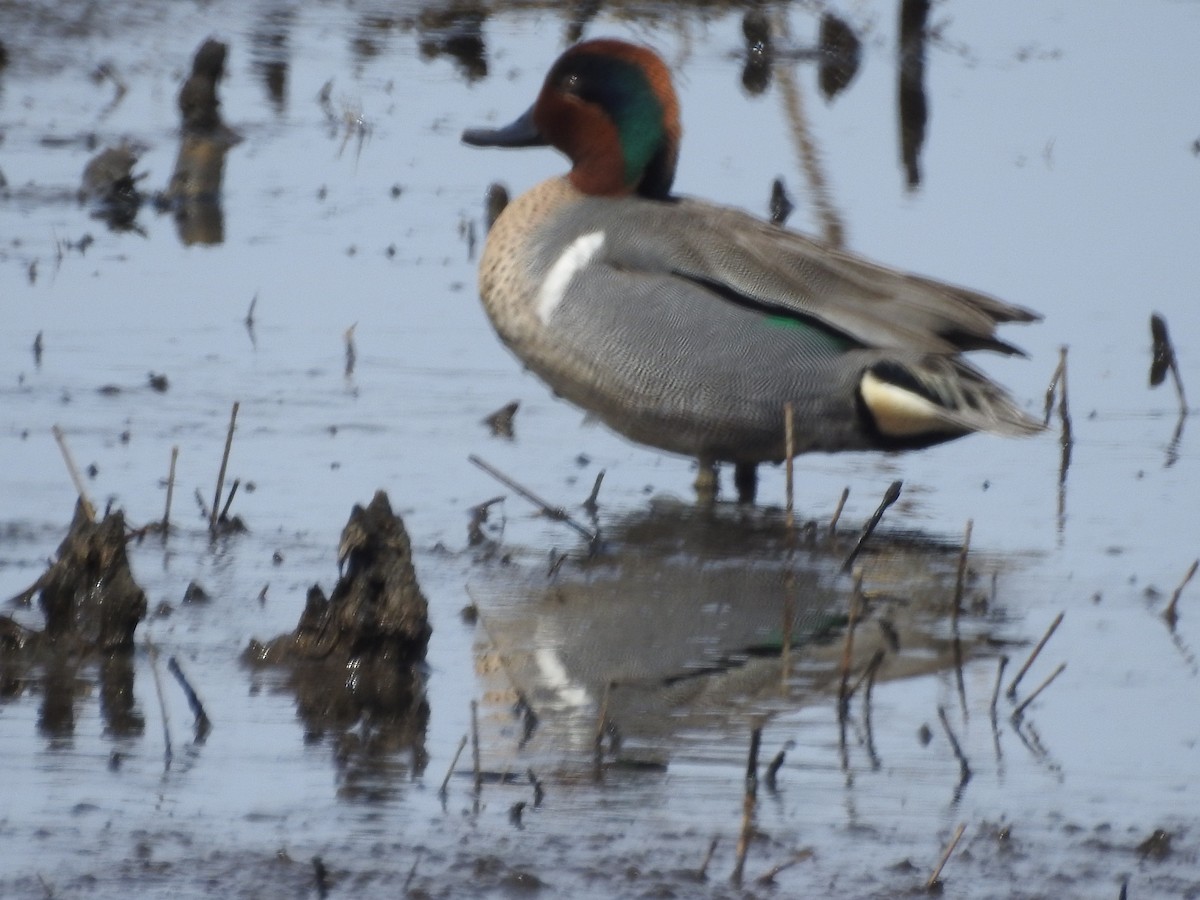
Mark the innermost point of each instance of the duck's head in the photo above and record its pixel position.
(609, 106)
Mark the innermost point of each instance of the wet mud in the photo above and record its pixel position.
(606, 691)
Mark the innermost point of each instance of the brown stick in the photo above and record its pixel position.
(1171, 613)
(789, 443)
(1012, 688)
(166, 522)
(996, 689)
(749, 805)
(960, 583)
(162, 702)
(848, 646)
(216, 504)
(837, 512)
(557, 513)
(88, 509)
(963, 766)
(454, 762)
(478, 771)
(598, 735)
(890, 496)
(1041, 687)
(937, 870)
(702, 875)
(798, 857)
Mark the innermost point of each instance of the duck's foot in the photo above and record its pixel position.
(745, 479)
(707, 483)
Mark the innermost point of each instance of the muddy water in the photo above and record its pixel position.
(1057, 171)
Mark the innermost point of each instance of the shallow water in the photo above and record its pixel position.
(1058, 172)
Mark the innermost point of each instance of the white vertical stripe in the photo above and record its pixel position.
(574, 258)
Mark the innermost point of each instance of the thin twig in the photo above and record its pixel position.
(475, 750)
(749, 804)
(789, 616)
(590, 503)
(798, 857)
(996, 689)
(216, 504)
(412, 873)
(789, 443)
(1041, 687)
(162, 702)
(557, 513)
(937, 870)
(963, 766)
(960, 582)
(598, 734)
(702, 875)
(848, 647)
(1052, 388)
(890, 496)
(233, 489)
(202, 723)
(1012, 688)
(1171, 613)
(454, 762)
(166, 522)
(88, 509)
(837, 512)
(351, 353)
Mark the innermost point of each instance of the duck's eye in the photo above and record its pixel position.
(571, 83)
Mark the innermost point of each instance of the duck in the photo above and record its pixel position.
(689, 326)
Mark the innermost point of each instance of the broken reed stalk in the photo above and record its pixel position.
(867, 673)
(1012, 688)
(233, 489)
(202, 723)
(1041, 687)
(162, 702)
(960, 582)
(478, 771)
(848, 646)
(412, 873)
(1064, 412)
(591, 504)
(88, 509)
(1171, 613)
(702, 875)
(1164, 358)
(598, 735)
(789, 615)
(963, 766)
(749, 804)
(996, 689)
(837, 511)
(1052, 388)
(557, 513)
(890, 496)
(216, 504)
(937, 870)
(166, 522)
(351, 353)
(789, 444)
(775, 765)
(796, 858)
(454, 762)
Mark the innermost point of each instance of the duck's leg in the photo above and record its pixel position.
(707, 484)
(745, 479)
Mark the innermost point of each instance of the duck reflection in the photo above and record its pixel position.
(681, 623)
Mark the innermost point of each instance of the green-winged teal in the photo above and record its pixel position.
(688, 326)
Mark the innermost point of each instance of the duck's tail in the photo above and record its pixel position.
(920, 403)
